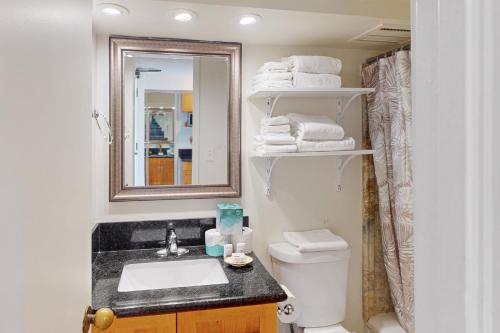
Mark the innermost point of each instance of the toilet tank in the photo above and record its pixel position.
(317, 279)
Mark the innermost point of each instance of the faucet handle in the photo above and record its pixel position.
(170, 226)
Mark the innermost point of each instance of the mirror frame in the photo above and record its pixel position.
(120, 44)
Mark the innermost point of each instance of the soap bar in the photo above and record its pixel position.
(238, 258)
(229, 219)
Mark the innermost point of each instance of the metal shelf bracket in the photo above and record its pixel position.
(343, 104)
(342, 162)
(270, 164)
(271, 105)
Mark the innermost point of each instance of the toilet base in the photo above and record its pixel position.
(384, 323)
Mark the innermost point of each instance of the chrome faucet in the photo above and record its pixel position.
(171, 239)
(171, 246)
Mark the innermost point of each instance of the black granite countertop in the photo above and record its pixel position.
(249, 285)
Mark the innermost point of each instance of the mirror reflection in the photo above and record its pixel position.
(175, 119)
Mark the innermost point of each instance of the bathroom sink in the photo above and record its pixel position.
(171, 274)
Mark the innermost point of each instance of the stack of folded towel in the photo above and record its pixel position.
(301, 72)
(303, 133)
(315, 133)
(275, 136)
(273, 75)
(312, 72)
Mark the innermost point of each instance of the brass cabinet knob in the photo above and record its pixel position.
(101, 319)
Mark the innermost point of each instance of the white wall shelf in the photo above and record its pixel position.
(343, 157)
(343, 96)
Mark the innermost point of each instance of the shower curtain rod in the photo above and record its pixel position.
(406, 47)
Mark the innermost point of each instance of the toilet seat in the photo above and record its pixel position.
(326, 329)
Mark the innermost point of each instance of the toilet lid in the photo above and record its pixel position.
(316, 240)
(290, 254)
(326, 329)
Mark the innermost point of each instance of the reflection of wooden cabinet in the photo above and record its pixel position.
(187, 102)
(187, 172)
(161, 171)
(243, 319)
(165, 323)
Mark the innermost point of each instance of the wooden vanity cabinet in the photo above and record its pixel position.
(243, 319)
(165, 323)
(161, 171)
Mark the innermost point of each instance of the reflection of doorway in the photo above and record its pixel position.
(159, 138)
(166, 138)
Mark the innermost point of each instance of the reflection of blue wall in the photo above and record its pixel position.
(183, 132)
(183, 136)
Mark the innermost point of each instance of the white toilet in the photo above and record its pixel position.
(318, 280)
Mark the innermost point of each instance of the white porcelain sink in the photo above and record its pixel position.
(171, 274)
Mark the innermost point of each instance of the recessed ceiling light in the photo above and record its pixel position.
(112, 9)
(184, 15)
(249, 19)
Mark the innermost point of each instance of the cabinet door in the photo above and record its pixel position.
(161, 171)
(187, 169)
(165, 323)
(169, 171)
(243, 319)
(156, 173)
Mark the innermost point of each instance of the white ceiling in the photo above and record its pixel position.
(398, 9)
(153, 18)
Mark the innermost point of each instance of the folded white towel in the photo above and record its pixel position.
(274, 83)
(274, 66)
(324, 81)
(274, 139)
(284, 84)
(316, 240)
(276, 148)
(275, 129)
(315, 64)
(334, 145)
(271, 121)
(270, 76)
(315, 127)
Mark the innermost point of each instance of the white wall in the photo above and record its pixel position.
(45, 129)
(210, 150)
(492, 40)
(304, 189)
(456, 165)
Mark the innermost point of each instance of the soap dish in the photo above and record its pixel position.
(238, 262)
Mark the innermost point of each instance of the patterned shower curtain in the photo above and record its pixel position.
(389, 121)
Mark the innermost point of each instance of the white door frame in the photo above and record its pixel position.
(455, 158)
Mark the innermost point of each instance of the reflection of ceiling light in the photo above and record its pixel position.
(112, 9)
(249, 19)
(184, 15)
(129, 55)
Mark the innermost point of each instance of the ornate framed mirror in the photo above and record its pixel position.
(176, 119)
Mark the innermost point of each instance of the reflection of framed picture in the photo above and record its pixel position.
(159, 125)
